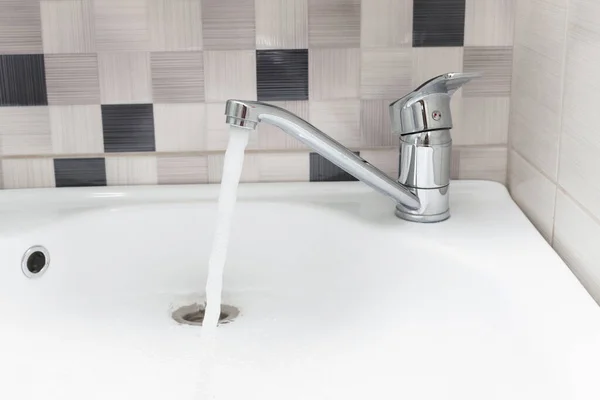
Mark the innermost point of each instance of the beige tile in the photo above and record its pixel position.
(217, 131)
(489, 22)
(20, 27)
(131, 170)
(228, 24)
(495, 65)
(25, 173)
(76, 129)
(230, 74)
(375, 129)
(281, 24)
(272, 138)
(265, 167)
(339, 119)
(177, 170)
(386, 23)
(72, 79)
(1, 176)
(533, 192)
(25, 131)
(175, 25)
(429, 62)
(334, 74)
(177, 77)
(580, 142)
(540, 26)
(68, 26)
(334, 23)
(385, 73)
(576, 238)
(122, 25)
(125, 78)
(386, 160)
(484, 121)
(481, 162)
(536, 107)
(180, 127)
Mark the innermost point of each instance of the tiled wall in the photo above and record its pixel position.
(112, 92)
(554, 158)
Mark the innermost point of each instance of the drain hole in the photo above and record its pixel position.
(194, 314)
(35, 261)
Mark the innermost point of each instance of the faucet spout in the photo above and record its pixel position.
(248, 114)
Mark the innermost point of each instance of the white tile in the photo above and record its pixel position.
(576, 238)
(230, 75)
(429, 62)
(281, 24)
(180, 127)
(484, 121)
(339, 119)
(533, 192)
(68, 26)
(385, 73)
(481, 162)
(131, 170)
(265, 167)
(125, 78)
(175, 25)
(489, 22)
(386, 160)
(76, 129)
(334, 74)
(272, 138)
(580, 141)
(25, 131)
(24, 173)
(386, 23)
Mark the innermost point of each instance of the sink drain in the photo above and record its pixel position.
(194, 314)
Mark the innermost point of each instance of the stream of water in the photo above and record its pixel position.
(232, 170)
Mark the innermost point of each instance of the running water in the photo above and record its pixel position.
(232, 170)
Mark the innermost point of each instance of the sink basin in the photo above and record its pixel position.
(338, 298)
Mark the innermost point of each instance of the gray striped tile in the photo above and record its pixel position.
(375, 130)
(72, 79)
(228, 24)
(177, 170)
(20, 27)
(334, 23)
(496, 65)
(68, 26)
(177, 77)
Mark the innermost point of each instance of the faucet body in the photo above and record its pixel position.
(423, 121)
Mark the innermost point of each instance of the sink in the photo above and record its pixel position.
(337, 298)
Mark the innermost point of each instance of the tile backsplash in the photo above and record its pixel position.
(554, 140)
(115, 92)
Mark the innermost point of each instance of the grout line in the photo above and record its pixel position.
(537, 169)
(214, 152)
(562, 112)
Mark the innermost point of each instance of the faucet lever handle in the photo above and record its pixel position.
(427, 108)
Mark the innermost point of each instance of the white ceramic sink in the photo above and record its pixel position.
(339, 299)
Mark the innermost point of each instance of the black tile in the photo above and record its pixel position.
(23, 80)
(438, 23)
(323, 170)
(282, 74)
(70, 172)
(128, 127)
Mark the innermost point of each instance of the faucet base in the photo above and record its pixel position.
(422, 218)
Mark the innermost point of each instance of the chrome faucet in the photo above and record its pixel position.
(423, 121)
